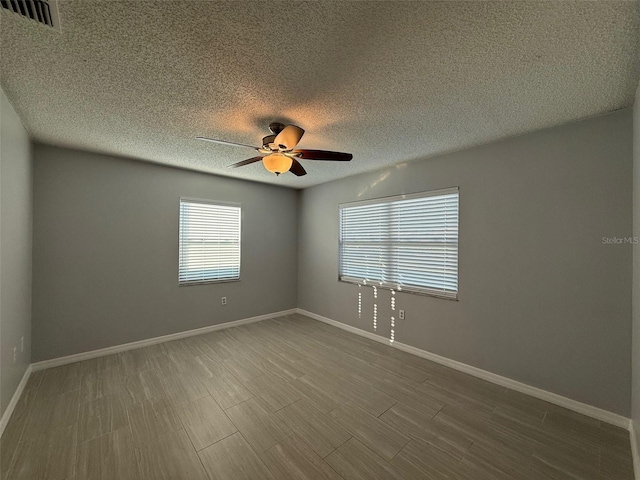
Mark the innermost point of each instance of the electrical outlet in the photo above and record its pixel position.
(224, 300)
(15, 354)
(401, 314)
(21, 344)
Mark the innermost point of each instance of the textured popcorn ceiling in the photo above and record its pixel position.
(389, 82)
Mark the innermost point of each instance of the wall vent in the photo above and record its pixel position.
(41, 11)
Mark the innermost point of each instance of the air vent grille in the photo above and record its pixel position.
(41, 11)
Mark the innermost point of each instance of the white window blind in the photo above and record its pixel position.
(209, 242)
(409, 241)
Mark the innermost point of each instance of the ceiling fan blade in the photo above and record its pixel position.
(297, 169)
(289, 136)
(245, 162)
(224, 142)
(322, 155)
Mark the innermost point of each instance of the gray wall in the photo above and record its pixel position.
(106, 252)
(15, 250)
(541, 299)
(635, 400)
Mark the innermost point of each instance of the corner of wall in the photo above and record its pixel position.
(16, 232)
(299, 194)
(635, 350)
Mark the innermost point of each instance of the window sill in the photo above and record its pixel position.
(414, 291)
(207, 282)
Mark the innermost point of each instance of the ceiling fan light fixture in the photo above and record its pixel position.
(277, 163)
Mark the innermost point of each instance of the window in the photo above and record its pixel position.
(410, 241)
(209, 242)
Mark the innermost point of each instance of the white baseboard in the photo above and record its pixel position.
(634, 450)
(14, 400)
(54, 362)
(576, 406)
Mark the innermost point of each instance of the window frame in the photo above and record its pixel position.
(417, 290)
(240, 227)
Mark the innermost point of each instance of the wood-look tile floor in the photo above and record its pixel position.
(292, 398)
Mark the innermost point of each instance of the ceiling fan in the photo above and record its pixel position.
(278, 152)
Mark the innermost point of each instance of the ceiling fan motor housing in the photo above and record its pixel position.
(276, 127)
(268, 142)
